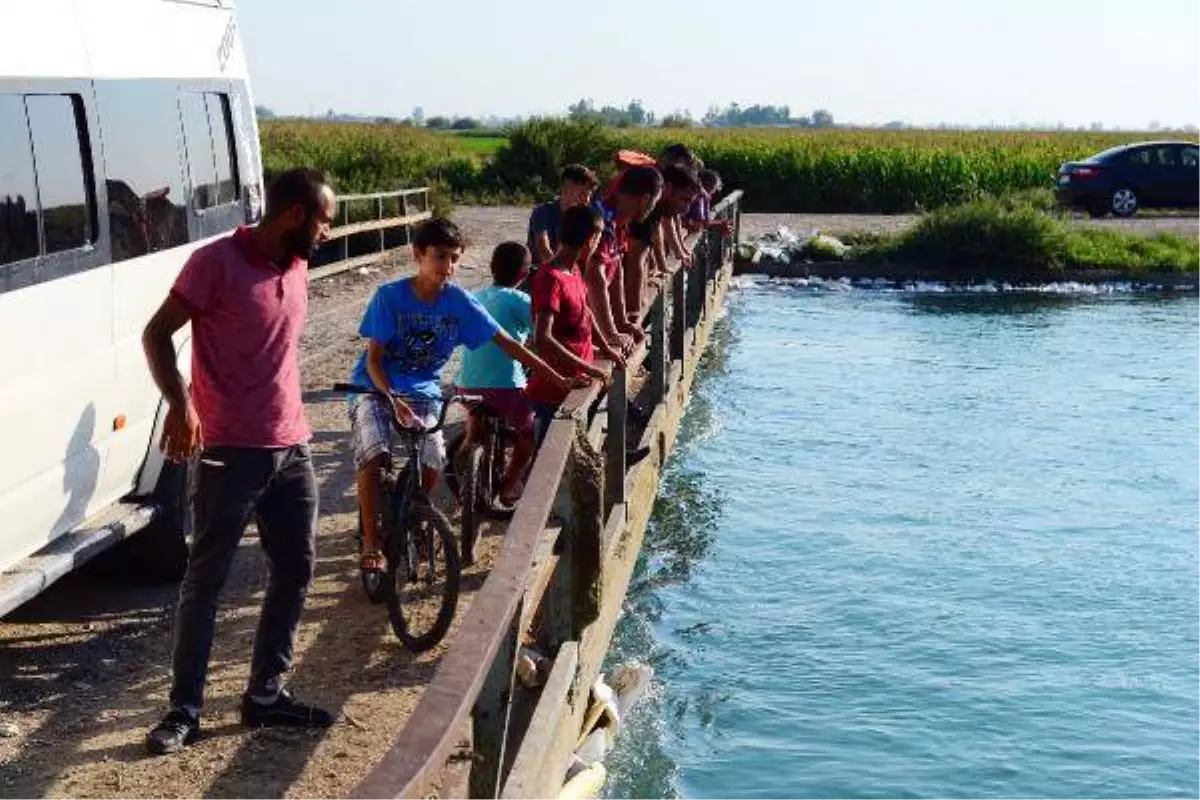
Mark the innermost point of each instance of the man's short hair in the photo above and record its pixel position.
(580, 175)
(681, 178)
(439, 232)
(579, 223)
(710, 180)
(295, 187)
(507, 260)
(640, 181)
(680, 153)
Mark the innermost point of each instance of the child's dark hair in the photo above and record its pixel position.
(580, 175)
(681, 154)
(680, 177)
(640, 181)
(579, 223)
(710, 180)
(507, 260)
(439, 232)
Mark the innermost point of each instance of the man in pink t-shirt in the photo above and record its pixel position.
(246, 297)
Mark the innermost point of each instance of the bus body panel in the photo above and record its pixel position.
(150, 98)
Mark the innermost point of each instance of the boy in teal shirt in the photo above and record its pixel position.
(490, 373)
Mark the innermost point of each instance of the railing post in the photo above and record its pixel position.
(558, 619)
(404, 213)
(678, 313)
(658, 349)
(614, 443)
(585, 471)
(489, 717)
(345, 239)
(379, 217)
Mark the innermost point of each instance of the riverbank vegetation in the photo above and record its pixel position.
(1001, 237)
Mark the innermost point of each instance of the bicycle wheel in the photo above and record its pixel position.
(471, 501)
(423, 569)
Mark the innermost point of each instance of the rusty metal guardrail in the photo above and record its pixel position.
(549, 567)
(364, 213)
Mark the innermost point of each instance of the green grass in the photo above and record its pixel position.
(480, 145)
(991, 239)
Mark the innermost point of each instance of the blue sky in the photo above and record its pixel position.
(868, 61)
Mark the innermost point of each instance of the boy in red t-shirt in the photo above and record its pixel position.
(563, 329)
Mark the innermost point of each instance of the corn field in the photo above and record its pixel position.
(793, 170)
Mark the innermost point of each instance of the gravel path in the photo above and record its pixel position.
(756, 225)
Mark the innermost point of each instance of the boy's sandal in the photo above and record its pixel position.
(372, 562)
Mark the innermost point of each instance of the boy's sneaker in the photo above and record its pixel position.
(286, 711)
(177, 730)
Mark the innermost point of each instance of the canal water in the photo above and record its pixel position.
(926, 544)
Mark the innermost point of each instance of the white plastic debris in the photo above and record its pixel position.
(783, 246)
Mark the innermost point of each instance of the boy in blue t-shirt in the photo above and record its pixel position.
(492, 374)
(413, 326)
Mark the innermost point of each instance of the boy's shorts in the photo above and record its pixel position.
(371, 429)
(510, 405)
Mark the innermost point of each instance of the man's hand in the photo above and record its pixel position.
(685, 258)
(636, 333)
(404, 414)
(599, 374)
(624, 343)
(565, 384)
(725, 226)
(182, 437)
(613, 355)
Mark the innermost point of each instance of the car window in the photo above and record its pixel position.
(18, 194)
(54, 123)
(1166, 157)
(1161, 156)
(1189, 156)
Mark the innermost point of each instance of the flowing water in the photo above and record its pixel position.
(925, 544)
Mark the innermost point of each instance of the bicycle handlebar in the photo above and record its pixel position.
(352, 388)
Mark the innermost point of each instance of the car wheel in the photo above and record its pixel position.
(1124, 202)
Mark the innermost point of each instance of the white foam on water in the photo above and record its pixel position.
(885, 286)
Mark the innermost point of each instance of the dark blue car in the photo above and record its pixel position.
(1122, 180)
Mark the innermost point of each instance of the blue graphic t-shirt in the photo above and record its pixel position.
(420, 337)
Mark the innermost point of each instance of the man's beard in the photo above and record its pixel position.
(299, 244)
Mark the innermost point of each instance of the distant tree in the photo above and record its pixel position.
(582, 111)
(465, 124)
(262, 112)
(895, 124)
(822, 119)
(437, 123)
(637, 114)
(680, 119)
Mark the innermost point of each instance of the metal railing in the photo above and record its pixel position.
(550, 567)
(364, 213)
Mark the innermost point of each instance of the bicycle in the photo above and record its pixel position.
(482, 475)
(418, 545)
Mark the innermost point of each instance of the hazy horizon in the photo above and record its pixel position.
(866, 61)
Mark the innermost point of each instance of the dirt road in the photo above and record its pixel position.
(755, 225)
